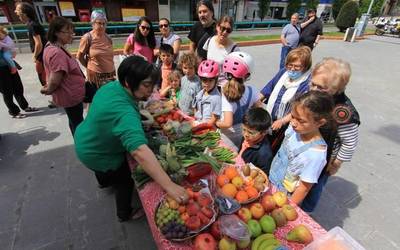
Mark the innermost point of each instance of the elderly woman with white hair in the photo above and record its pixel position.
(95, 53)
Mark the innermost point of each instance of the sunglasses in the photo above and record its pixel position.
(223, 28)
(145, 27)
(163, 25)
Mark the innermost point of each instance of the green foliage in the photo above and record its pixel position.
(293, 7)
(312, 4)
(376, 7)
(263, 7)
(347, 15)
(336, 6)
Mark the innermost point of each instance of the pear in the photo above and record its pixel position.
(246, 170)
(301, 234)
(253, 173)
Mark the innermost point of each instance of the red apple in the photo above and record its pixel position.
(257, 210)
(215, 231)
(268, 203)
(205, 241)
(193, 223)
(244, 214)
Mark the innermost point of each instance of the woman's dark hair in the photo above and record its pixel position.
(151, 39)
(258, 119)
(56, 26)
(206, 3)
(320, 104)
(28, 10)
(135, 69)
(164, 19)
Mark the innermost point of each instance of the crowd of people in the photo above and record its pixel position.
(298, 129)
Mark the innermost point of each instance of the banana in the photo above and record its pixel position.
(269, 244)
(257, 242)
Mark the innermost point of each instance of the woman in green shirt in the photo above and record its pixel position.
(113, 127)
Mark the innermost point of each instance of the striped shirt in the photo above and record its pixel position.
(345, 142)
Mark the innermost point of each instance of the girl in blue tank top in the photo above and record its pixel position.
(302, 155)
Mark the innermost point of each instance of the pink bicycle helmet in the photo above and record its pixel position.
(208, 69)
(239, 64)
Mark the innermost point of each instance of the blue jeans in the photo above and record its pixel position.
(284, 52)
(312, 198)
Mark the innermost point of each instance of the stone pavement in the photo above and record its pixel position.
(48, 200)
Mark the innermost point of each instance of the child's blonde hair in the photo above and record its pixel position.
(189, 59)
(174, 74)
(233, 90)
(336, 71)
(3, 30)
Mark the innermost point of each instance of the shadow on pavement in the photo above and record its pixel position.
(49, 200)
(391, 132)
(338, 197)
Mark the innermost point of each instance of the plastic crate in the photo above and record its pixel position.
(335, 239)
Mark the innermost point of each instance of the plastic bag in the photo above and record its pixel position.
(232, 226)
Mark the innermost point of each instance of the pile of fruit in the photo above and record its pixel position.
(178, 222)
(244, 185)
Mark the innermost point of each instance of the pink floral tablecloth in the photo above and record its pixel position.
(151, 195)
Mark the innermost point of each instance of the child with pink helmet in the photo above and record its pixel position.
(237, 98)
(207, 103)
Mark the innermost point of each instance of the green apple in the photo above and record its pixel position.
(254, 228)
(226, 244)
(243, 244)
(267, 224)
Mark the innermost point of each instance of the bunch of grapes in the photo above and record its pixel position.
(174, 230)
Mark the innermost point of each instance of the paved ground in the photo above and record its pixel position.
(48, 200)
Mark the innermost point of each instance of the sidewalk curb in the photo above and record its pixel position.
(185, 47)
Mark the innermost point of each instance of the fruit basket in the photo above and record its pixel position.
(245, 183)
(182, 222)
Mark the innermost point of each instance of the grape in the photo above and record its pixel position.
(181, 235)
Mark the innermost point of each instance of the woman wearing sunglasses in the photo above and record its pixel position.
(142, 42)
(168, 37)
(220, 45)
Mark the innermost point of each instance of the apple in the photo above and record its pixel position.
(243, 244)
(267, 224)
(290, 212)
(280, 198)
(226, 244)
(205, 241)
(279, 217)
(268, 203)
(244, 214)
(257, 210)
(215, 231)
(254, 228)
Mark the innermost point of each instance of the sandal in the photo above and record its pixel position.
(31, 109)
(19, 116)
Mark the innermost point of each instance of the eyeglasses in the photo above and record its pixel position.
(294, 66)
(163, 25)
(144, 27)
(101, 23)
(227, 29)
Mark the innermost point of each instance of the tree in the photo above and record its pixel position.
(347, 15)
(293, 7)
(336, 6)
(376, 7)
(263, 7)
(312, 4)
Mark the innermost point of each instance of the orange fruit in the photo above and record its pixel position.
(222, 180)
(242, 196)
(231, 172)
(252, 192)
(229, 190)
